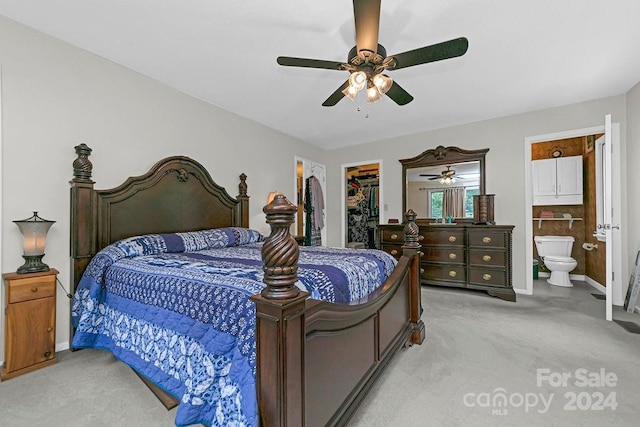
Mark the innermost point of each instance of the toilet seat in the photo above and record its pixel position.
(556, 258)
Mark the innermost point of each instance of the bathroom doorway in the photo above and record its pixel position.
(615, 273)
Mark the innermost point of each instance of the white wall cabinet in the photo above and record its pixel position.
(557, 181)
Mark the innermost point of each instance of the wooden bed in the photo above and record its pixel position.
(316, 361)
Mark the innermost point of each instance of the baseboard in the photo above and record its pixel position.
(62, 346)
(595, 285)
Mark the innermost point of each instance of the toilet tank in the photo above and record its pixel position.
(554, 245)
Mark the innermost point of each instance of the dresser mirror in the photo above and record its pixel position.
(440, 183)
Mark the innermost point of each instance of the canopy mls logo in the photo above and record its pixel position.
(591, 393)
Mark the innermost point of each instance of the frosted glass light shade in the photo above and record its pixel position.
(34, 232)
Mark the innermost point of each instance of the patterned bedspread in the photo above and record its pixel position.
(176, 308)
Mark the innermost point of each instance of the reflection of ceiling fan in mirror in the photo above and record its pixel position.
(445, 177)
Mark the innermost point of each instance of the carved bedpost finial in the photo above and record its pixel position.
(280, 251)
(243, 184)
(82, 166)
(411, 229)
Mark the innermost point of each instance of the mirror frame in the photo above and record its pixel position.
(442, 156)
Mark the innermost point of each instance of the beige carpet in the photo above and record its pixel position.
(477, 348)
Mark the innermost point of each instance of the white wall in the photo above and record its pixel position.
(633, 175)
(55, 96)
(504, 162)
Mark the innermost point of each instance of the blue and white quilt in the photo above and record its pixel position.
(176, 308)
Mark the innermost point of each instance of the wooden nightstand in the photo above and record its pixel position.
(30, 322)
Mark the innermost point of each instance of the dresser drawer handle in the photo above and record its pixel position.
(47, 353)
(486, 239)
(486, 258)
(394, 236)
(486, 276)
(34, 290)
(452, 238)
(420, 238)
(394, 252)
(453, 273)
(452, 256)
(421, 270)
(420, 254)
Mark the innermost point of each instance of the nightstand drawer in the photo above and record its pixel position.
(31, 288)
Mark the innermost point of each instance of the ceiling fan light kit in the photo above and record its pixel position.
(368, 60)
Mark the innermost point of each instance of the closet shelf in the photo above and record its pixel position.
(557, 219)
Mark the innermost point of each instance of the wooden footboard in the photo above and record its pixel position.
(318, 360)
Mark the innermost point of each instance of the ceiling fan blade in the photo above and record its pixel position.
(309, 63)
(436, 52)
(336, 96)
(366, 14)
(399, 95)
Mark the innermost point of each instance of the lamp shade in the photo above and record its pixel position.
(34, 232)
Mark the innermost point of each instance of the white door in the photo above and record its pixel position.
(311, 168)
(608, 213)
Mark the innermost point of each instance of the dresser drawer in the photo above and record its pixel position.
(31, 288)
(487, 238)
(447, 273)
(394, 235)
(488, 277)
(487, 257)
(444, 237)
(451, 255)
(393, 250)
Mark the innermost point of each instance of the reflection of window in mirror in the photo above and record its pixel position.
(441, 182)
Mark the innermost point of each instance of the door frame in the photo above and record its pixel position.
(617, 204)
(343, 195)
(305, 163)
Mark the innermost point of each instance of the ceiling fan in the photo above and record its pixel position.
(445, 177)
(368, 60)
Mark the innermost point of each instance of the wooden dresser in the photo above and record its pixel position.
(459, 255)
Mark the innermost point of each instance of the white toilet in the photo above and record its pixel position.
(555, 252)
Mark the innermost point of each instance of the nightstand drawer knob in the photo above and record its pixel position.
(394, 252)
(486, 239)
(47, 353)
(486, 258)
(452, 256)
(420, 237)
(420, 254)
(421, 270)
(486, 277)
(453, 273)
(50, 328)
(34, 290)
(394, 236)
(452, 239)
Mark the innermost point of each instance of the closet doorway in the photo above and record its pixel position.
(362, 203)
(304, 171)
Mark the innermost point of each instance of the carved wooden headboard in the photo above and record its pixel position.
(176, 195)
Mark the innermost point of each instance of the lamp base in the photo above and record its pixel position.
(32, 264)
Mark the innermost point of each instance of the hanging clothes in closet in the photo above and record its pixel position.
(363, 210)
(314, 210)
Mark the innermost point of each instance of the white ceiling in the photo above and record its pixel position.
(523, 55)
